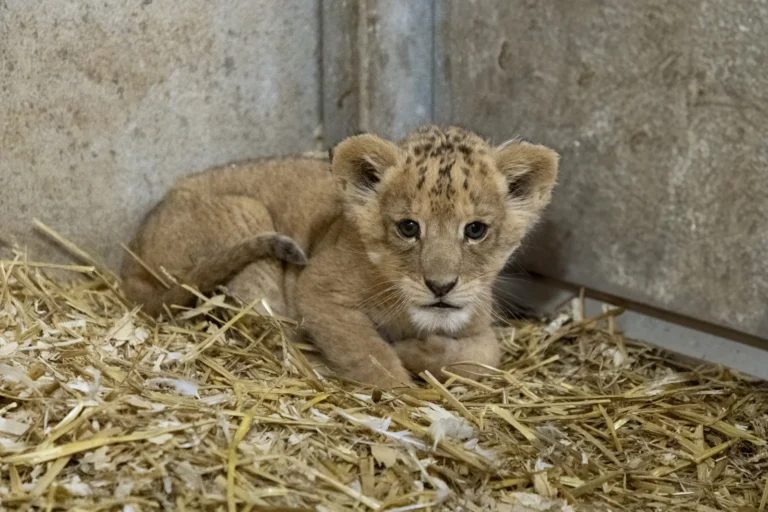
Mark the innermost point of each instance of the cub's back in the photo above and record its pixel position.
(298, 192)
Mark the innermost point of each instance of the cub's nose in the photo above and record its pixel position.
(440, 289)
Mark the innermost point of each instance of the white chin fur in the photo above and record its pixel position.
(445, 320)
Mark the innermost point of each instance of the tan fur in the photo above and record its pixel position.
(362, 297)
(218, 227)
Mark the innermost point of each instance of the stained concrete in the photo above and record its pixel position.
(105, 104)
(658, 108)
(659, 111)
(341, 68)
(397, 70)
(377, 66)
(548, 299)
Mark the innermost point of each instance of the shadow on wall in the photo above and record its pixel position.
(514, 295)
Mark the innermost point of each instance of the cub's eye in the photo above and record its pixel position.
(475, 230)
(408, 228)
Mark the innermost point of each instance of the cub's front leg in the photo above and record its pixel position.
(348, 341)
(437, 352)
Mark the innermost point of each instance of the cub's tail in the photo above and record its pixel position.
(143, 288)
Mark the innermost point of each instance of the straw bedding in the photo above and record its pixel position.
(105, 409)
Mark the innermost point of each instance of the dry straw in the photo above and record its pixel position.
(101, 408)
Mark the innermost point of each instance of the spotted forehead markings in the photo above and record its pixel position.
(445, 146)
(443, 184)
(422, 176)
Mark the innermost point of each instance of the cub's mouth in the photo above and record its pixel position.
(442, 305)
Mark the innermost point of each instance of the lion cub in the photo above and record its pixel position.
(402, 244)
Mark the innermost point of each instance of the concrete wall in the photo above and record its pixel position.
(105, 103)
(377, 66)
(660, 111)
(658, 108)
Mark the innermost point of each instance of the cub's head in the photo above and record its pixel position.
(440, 213)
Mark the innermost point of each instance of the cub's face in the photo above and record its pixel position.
(440, 214)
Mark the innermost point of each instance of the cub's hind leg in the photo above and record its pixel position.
(205, 241)
(262, 279)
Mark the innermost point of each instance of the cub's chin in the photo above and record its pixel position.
(440, 317)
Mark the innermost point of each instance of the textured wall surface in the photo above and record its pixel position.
(659, 108)
(660, 111)
(377, 66)
(104, 104)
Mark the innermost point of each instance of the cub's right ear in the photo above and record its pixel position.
(531, 173)
(360, 162)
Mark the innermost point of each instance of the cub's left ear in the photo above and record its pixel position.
(531, 172)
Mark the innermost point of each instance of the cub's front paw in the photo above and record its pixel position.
(420, 355)
(393, 376)
(438, 352)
